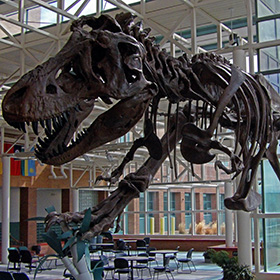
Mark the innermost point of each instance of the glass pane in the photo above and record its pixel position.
(222, 225)
(269, 30)
(132, 227)
(272, 244)
(271, 189)
(274, 79)
(268, 7)
(269, 58)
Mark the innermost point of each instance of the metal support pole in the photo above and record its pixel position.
(250, 35)
(243, 218)
(228, 217)
(6, 209)
(193, 31)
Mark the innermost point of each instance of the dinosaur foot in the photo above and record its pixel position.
(248, 204)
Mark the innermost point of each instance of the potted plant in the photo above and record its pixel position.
(207, 257)
(232, 270)
(75, 245)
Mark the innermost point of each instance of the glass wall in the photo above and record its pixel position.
(191, 210)
(268, 218)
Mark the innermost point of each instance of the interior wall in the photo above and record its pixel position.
(14, 205)
(47, 198)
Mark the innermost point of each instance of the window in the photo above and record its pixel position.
(207, 205)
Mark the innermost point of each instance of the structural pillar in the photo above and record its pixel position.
(75, 199)
(6, 209)
(244, 234)
(228, 217)
(28, 209)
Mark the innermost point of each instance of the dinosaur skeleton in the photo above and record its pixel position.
(116, 59)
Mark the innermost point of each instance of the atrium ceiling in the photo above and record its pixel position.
(31, 31)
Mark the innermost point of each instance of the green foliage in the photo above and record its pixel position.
(231, 269)
(54, 242)
(50, 209)
(72, 236)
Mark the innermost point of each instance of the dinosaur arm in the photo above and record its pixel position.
(105, 213)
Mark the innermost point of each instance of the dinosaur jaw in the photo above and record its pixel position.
(57, 149)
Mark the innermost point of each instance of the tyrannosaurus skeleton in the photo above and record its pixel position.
(116, 59)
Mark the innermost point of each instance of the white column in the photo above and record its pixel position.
(244, 238)
(193, 31)
(228, 217)
(244, 243)
(5, 209)
(75, 200)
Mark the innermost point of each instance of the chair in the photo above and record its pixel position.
(188, 260)
(121, 267)
(20, 276)
(27, 258)
(107, 267)
(4, 275)
(173, 257)
(163, 269)
(143, 264)
(121, 246)
(36, 249)
(141, 245)
(147, 240)
(13, 257)
(152, 256)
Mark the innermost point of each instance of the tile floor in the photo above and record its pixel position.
(205, 271)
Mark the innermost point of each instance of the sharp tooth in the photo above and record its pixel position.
(40, 149)
(42, 123)
(35, 127)
(78, 108)
(48, 133)
(60, 120)
(55, 124)
(106, 100)
(48, 125)
(42, 143)
(22, 126)
(65, 116)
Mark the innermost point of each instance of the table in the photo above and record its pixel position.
(164, 252)
(132, 259)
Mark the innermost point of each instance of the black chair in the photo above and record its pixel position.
(121, 267)
(36, 249)
(163, 269)
(13, 257)
(173, 257)
(152, 256)
(27, 258)
(4, 275)
(187, 260)
(121, 246)
(107, 267)
(141, 245)
(147, 240)
(20, 276)
(142, 265)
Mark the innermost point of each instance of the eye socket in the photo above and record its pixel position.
(51, 89)
(127, 49)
